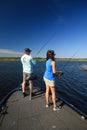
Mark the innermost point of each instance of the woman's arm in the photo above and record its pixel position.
(57, 73)
(54, 67)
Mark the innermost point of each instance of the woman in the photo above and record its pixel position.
(49, 78)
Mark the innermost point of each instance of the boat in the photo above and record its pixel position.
(21, 113)
(84, 67)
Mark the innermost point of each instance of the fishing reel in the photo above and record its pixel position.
(59, 73)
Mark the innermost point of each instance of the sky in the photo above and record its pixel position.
(60, 25)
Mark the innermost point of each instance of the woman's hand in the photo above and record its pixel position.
(59, 73)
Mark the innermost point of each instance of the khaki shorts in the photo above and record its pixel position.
(51, 83)
(26, 76)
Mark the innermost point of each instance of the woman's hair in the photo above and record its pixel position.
(50, 55)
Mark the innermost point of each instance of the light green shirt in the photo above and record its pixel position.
(27, 62)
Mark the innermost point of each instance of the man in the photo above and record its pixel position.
(27, 62)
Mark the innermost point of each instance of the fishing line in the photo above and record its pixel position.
(60, 73)
(45, 44)
(69, 60)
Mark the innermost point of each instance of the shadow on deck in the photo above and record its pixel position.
(23, 114)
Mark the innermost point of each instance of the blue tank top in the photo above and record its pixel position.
(49, 72)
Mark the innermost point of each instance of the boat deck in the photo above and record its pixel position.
(25, 114)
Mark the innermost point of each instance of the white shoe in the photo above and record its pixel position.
(56, 108)
(47, 106)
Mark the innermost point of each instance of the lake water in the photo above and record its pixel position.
(72, 86)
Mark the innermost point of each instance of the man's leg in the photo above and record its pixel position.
(23, 87)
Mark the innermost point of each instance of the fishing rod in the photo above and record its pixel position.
(45, 44)
(69, 60)
(33, 76)
(60, 73)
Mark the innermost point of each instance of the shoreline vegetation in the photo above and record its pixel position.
(42, 59)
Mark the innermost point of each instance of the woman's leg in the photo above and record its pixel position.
(53, 96)
(47, 94)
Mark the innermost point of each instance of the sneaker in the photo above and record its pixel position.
(56, 108)
(32, 94)
(47, 105)
(25, 94)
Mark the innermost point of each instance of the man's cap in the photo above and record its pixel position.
(27, 49)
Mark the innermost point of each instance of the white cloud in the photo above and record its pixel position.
(9, 53)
